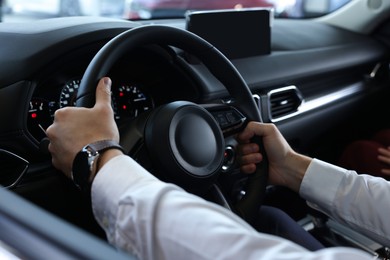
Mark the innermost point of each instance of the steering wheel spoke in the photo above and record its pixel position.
(132, 134)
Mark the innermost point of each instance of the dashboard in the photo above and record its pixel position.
(50, 72)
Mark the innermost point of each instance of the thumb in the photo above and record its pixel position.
(103, 91)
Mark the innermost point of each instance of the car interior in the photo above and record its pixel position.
(323, 82)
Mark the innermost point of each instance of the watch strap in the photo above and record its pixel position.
(102, 145)
(86, 162)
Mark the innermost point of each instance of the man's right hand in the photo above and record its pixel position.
(286, 167)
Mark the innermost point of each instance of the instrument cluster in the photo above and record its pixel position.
(128, 101)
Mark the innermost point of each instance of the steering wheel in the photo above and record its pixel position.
(183, 139)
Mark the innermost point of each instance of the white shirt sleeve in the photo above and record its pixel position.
(360, 201)
(156, 220)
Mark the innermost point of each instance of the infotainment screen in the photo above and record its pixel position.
(236, 33)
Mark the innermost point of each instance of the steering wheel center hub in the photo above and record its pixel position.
(195, 141)
(185, 140)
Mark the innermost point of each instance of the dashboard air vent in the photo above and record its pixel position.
(284, 102)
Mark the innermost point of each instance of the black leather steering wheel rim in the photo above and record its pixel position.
(215, 62)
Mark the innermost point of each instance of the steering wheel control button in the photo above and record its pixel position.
(233, 117)
(229, 119)
(222, 120)
(228, 158)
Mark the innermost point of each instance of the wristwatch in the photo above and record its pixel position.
(85, 162)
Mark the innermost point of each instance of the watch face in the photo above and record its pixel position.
(81, 169)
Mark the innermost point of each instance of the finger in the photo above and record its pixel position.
(384, 159)
(103, 91)
(248, 168)
(386, 171)
(251, 159)
(247, 133)
(248, 148)
(384, 152)
(255, 128)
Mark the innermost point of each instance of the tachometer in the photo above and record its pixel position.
(131, 101)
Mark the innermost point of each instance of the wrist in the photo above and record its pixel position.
(298, 165)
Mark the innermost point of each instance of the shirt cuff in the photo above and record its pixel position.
(111, 182)
(321, 183)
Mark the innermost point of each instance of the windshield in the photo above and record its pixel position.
(22, 10)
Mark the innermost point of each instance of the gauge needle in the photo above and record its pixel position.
(44, 131)
(44, 143)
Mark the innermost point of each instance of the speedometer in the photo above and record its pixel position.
(69, 93)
